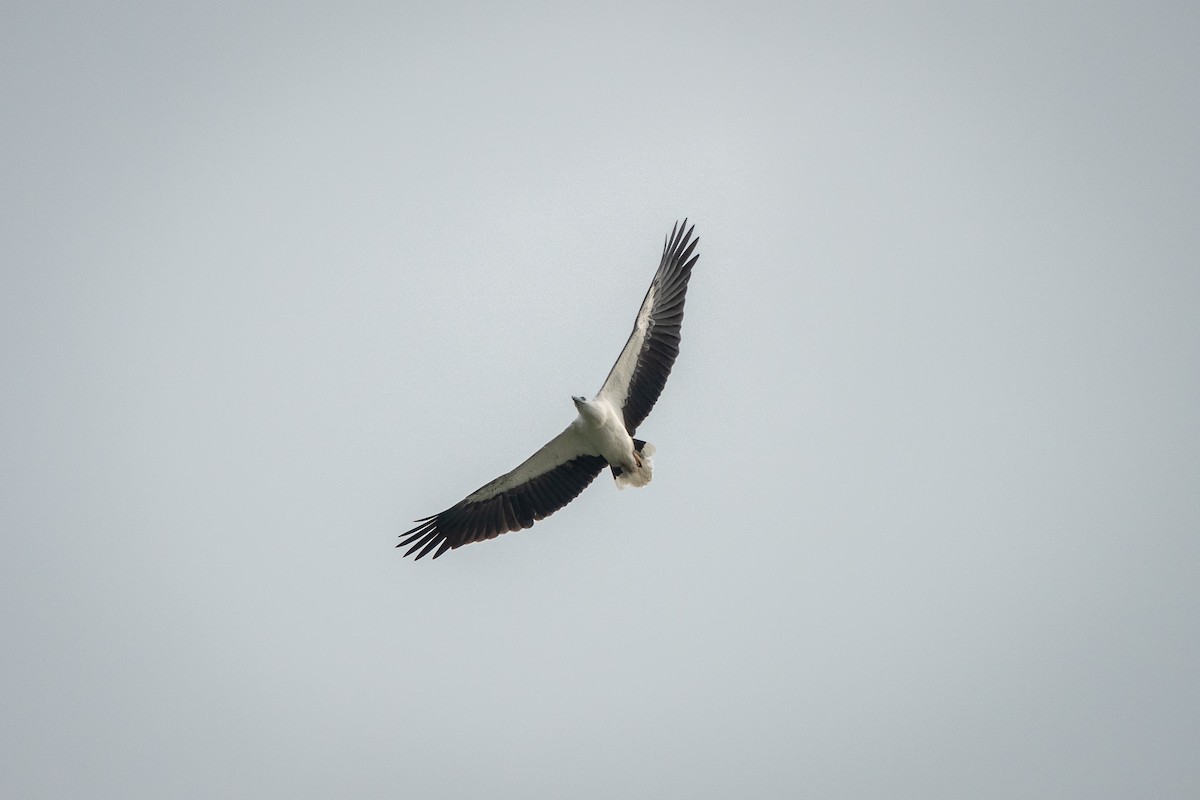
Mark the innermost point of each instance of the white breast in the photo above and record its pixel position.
(604, 428)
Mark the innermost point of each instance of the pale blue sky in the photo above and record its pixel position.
(279, 278)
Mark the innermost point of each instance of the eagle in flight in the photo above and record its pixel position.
(601, 435)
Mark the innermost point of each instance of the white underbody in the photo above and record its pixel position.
(602, 427)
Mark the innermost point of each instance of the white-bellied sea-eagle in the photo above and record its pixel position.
(600, 436)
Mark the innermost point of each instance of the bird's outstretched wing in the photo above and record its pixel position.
(541, 485)
(637, 379)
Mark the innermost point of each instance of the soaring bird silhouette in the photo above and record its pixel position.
(601, 435)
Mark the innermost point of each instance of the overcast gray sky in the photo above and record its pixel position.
(278, 278)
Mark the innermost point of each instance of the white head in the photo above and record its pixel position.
(587, 409)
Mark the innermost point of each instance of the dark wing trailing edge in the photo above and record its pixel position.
(640, 373)
(544, 483)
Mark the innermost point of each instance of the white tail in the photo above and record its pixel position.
(639, 476)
